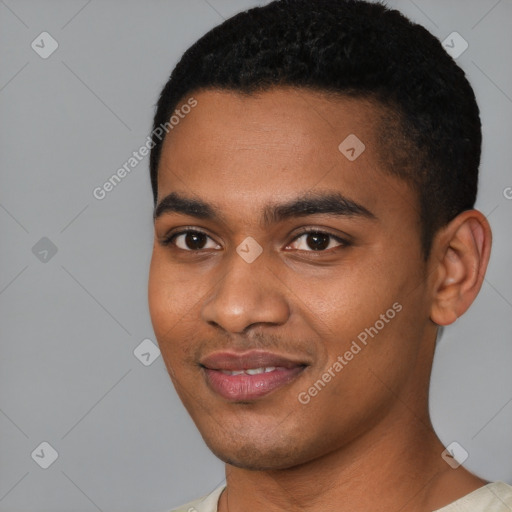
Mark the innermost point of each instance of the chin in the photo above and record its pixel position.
(255, 461)
(265, 455)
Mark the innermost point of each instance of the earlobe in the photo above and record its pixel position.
(463, 250)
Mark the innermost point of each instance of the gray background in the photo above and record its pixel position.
(70, 323)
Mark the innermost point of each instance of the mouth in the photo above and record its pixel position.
(247, 376)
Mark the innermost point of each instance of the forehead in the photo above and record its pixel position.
(240, 150)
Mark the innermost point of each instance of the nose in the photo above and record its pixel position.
(248, 294)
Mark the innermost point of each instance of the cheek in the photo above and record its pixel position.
(344, 300)
(173, 302)
(160, 310)
(169, 294)
(167, 309)
(359, 313)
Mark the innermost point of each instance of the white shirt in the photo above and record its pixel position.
(493, 497)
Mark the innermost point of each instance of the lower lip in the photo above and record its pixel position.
(244, 387)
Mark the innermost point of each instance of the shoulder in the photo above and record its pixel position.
(207, 503)
(493, 497)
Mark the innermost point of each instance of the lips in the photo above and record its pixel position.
(249, 375)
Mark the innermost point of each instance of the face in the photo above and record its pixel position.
(287, 285)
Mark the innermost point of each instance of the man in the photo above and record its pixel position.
(314, 226)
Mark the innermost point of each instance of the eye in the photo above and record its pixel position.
(191, 240)
(316, 241)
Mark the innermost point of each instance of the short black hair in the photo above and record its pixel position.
(430, 128)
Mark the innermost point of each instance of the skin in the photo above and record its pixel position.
(365, 441)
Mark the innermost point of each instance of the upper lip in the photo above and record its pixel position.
(236, 361)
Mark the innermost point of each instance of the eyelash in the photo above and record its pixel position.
(304, 231)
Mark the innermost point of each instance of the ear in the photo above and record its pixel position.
(460, 254)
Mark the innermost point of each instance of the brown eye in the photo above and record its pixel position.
(317, 241)
(192, 241)
(195, 240)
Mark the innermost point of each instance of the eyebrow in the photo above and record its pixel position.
(308, 204)
(313, 204)
(174, 203)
